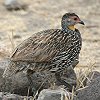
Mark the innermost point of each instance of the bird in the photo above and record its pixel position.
(51, 50)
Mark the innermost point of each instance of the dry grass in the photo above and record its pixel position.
(11, 39)
(82, 75)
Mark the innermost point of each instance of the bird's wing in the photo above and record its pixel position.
(40, 47)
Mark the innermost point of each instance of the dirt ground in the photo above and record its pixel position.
(16, 26)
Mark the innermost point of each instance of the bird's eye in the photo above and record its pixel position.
(75, 18)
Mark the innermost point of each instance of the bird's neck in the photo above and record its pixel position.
(71, 27)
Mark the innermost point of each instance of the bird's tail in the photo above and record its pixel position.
(10, 70)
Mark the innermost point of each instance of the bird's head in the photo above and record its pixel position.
(69, 20)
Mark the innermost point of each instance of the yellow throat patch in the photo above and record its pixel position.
(71, 27)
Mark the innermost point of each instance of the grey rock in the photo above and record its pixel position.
(16, 36)
(57, 94)
(9, 96)
(43, 80)
(16, 84)
(15, 5)
(92, 75)
(1, 95)
(4, 63)
(91, 92)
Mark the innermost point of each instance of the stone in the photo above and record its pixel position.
(1, 95)
(91, 76)
(9, 96)
(90, 92)
(45, 79)
(16, 84)
(14, 5)
(56, 94)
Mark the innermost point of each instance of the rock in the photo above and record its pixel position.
(43, 80)
(1, 95)
(3, 64)
(91, 92)
(8, 96)
(91, 76)
(67, 78)
(47, 78)
(16, 36)
(16, 84)
(58, 94)
(12, 97)
(14, 5)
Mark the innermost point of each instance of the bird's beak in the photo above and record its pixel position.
(81, 22)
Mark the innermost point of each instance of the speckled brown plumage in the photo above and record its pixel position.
(52, 50)
(51, 47)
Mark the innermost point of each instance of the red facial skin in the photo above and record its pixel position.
(75, 18)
